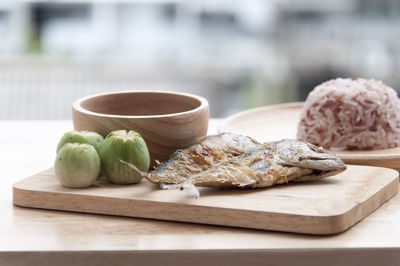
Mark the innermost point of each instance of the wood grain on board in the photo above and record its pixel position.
(327, 206)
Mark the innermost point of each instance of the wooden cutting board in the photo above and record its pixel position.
(327, 206)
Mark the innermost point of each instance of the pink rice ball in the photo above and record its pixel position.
(351, 114)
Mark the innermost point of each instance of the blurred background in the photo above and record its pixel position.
(237, 54)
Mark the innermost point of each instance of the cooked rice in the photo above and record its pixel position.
(351, 114)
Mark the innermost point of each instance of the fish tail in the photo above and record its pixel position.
(190, 188)
(133, 167)
(146, 175)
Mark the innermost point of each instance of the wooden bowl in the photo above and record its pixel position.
(167, 120)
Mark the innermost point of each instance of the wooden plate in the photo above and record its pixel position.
(280, 121)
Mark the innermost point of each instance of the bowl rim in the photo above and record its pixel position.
(77, 104)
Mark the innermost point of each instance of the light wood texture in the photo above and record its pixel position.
(289, 257)
(280, 121)
(326, 206)
(45, 237)
(166, 120)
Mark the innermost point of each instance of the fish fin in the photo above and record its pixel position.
(246, 184)
(170, 186)
(190, 188)
(193, 191)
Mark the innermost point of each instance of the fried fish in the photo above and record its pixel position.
(199, 157)
(269, 164)
(234, 161)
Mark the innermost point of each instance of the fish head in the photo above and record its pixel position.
(306, 155)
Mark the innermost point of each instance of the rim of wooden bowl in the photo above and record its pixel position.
(78, 107)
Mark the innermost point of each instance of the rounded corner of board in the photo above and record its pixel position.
(17, 199)
(17, 188)
(333, 224)
(18, 194)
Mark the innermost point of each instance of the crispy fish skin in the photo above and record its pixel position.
(291, 152)
(269, 164)
(234, 161)
(258, 168)
(201, 156)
